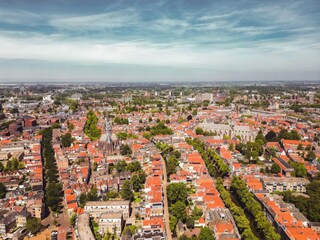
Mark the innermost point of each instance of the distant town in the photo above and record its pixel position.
(139, 161)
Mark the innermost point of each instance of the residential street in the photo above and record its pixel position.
(165, 201)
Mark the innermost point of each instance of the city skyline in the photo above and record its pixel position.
(159, 41)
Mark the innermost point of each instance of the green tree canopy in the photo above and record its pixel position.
(275, 168)
(206, 234)
(33, 225)
(177, 192)
(179, 211)
(3, 190)
(126, 191)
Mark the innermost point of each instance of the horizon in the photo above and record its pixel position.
(163, 41)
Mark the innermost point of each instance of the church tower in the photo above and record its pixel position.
(109, 144)
(108, 131)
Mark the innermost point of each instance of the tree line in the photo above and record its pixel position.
(246, 198)
(238, 214)
(214, 163)
(171, 157)
(53, 195)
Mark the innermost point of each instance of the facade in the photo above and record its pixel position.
(232, 131)
(294, 184)
(36, 208)
(7, 222)
(97, 208)
(111, 223)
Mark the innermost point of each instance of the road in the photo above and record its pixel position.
(165, 201)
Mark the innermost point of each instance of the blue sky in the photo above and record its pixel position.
(165, 40)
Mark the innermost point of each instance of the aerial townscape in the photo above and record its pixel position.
(159, 120)
(160, 161)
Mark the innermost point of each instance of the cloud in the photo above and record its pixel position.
(109, 20)
(20, 17)
(260, 38)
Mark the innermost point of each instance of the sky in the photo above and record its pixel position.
(159, 40)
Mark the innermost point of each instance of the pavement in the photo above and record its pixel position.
(165, 201)
(83, 228)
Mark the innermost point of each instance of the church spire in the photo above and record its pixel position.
(108, 130)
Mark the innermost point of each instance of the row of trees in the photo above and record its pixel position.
(121, 121)
(214, 163)
(160, 129)
(238, 214)
(54, 193)
(122, 166)
(90, 127)
(254, 208)
(283, 134)
(3, 190)
(125, 136)
(171, 157)
(12, 165)
(201, 131)
(177, 194)
(299, 169)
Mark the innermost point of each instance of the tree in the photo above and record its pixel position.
(135, 183)
(56, 125)
(90, 127)
(66, 140)
(125, 150)
(53, 195)
(206, 234)
(179, 211)
(275, 168)
(95, 166)
(15, 164)
(83, 199)
(300, 147)
(173, 222)
(310, 156)
(126, 191)
(261, 137)
(92, 194)
(271, 136)
(3, 190)
(231, 147)
(160, 129)
(121, 166)
(197, 213)
(112, 194)
(190, 222)
(70, 126)
(134, 166)
(177, 192)
(199, 131)
(33, 225)
(73, 219)
(299, 169)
